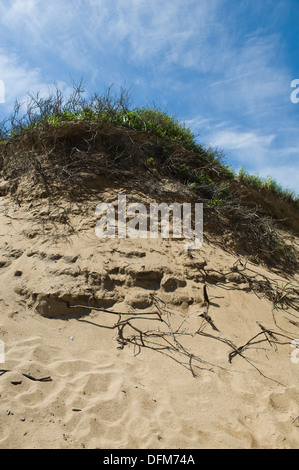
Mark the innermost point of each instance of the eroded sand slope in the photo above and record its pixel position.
(164, 380)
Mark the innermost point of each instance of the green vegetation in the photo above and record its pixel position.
(144, 119)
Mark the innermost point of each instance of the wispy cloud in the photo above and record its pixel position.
(142, 30)
(243, 140)
(19, 80)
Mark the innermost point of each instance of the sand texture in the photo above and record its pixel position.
(111, 344)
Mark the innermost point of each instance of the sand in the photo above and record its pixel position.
(97, 391)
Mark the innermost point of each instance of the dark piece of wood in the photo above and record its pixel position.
(43, 379)
(205, 295)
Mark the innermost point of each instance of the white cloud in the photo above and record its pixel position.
(19, 79)
(242, 140)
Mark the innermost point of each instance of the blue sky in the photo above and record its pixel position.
(224, 67)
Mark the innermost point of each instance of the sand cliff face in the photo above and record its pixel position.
(137, 343)
(125, 350)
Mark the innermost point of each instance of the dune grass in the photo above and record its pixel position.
(257, 182)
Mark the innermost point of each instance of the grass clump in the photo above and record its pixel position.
(158, 121)
(257, 182)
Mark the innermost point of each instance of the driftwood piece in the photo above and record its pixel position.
(43, 379)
